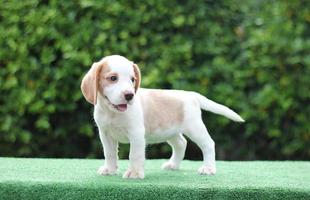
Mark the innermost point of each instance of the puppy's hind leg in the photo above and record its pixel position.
(178, 144)
(198, 133)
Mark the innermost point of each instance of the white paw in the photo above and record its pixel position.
(104, 170)
(134, 174)
(206, 170)
(169, 166)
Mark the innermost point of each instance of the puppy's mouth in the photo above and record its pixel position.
(120, 107)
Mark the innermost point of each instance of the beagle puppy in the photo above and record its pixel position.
(128, 114)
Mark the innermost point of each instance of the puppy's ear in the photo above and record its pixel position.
(137, 76)
(89, 85)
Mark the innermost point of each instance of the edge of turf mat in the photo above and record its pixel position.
(27, 178)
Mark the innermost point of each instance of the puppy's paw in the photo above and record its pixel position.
(170, 166)
(207, 170)
(104, 171)
(134, 174)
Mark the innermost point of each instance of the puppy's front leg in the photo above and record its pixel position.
(110, 149)
(136, 154)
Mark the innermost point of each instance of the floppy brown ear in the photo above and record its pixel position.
(137, 76)
(89, 85)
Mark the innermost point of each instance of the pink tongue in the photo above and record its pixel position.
(122, 107)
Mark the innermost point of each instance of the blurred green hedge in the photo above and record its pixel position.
(252, 56)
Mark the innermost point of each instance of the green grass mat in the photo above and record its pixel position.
(77, 179)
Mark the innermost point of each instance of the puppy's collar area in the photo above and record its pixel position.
(119, 107)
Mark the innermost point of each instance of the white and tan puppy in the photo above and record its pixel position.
(128, 114)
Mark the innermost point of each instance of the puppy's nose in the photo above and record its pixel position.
(128, 96)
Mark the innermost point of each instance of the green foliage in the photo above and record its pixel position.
(251, 56)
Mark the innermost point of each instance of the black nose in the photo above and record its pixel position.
(128, 96)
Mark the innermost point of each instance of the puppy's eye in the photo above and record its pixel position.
(133, 79)
(113, 78)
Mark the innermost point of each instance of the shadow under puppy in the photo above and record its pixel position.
(128, 114)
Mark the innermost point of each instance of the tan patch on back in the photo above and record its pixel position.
(161, 110)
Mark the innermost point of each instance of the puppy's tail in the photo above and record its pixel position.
(208, 105)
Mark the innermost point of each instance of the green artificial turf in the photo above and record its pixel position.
(22, 178)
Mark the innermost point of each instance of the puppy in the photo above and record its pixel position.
(128, 114)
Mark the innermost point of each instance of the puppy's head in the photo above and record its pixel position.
(116, 79)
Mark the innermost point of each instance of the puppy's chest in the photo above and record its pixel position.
(120, 134)
(117, 128)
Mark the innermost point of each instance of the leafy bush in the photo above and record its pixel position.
(251, 56)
